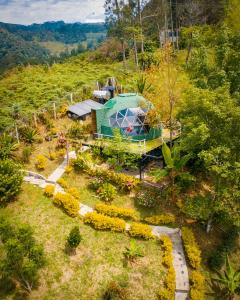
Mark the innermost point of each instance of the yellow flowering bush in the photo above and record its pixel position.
(68, 169)
(102, 222)
(63, 183)
(74, 192)
(160, 219)
(52, 155)
(197, 282)
(191, 247)
(49, 190)
(114, 211)
(68, 203)
(41, 162)
(141, 231)
(167, 292)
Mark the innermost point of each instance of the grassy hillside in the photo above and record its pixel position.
(35, 87)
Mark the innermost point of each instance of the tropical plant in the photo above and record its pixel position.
(11, 180)
(143, 85)
(174, 164)
(134, 251)
(8, 146)
(107, 192)
(227, 281)
(30, 135)
(26, 153)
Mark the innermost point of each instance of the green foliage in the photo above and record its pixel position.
(11, 179)
(228, 245)
(147, 197)
(24, 256)
(30, 135)
(8, 146)
(107, 192)
(133, 251)
(74, 237)
(142, 85)
(26, 153)
(227, 281)
(198, 207)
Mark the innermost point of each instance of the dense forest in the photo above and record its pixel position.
(36, 44)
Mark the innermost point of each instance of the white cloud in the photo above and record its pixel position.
(39, 11)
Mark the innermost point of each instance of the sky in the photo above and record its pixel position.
(39, 11)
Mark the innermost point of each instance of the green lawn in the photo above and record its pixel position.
(99, 258)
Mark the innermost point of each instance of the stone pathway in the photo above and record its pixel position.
(179, 262)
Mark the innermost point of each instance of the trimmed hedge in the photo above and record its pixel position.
(160, 219)
(49, 190)
(102, 222)
(114, 211)
(168, 291)
(141, 231)
(63, 183)
(191, 247)
(74, 192)
(68, 203)
(197, 282)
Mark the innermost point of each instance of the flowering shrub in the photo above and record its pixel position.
(41, 162)
(114, 211)
(95, 184)
(68, 169)
(141, 231)
(74, 192)
(191, 247)
(107, 192)
(147, 198)
(68, 203)
(49, 190)
(197, 282)
(101, 222)
(60, 153)
(62, 182)
(52, 155)
(168, 291)
(160, 219)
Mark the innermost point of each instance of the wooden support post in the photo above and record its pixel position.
(35, 119)
(54, 110)
(17, 134)
(71, 97)
(67, 154)
(98, 87)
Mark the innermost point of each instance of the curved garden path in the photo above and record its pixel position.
(179, 262)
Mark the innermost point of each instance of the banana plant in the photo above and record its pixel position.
(227, 282)
(174, 165)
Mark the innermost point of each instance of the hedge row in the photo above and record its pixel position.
(68, 203)
(114, 211)
(49, 190)
(102, 222)
(168, 291)
(191, 247)
(160, 219)
(139, 230)
(197, 286)
(123, 181)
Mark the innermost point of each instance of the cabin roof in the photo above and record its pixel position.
(84, 108)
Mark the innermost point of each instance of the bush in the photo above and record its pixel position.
(60, 153)
(49, 190)
(197, 286)
(160, 219)
(191, 247)
(11, 180)
(167, 292)
(141, 231)
(114, 211)
(26, 153)
(74, 238)
(217, 259)
(101, 222)
(74, 192)
(68, 203)
(52, 155)
(63, 183)
(107, 192)
(95, 184)
(68, 169)
(147, 198)
(115, 292)
(41, 162)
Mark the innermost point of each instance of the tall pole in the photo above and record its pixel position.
(17, 134)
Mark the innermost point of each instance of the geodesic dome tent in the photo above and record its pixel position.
(127, 112)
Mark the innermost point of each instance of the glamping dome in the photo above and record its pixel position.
(127, 112)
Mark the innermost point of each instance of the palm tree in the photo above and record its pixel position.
(30, 135)
(227, 282)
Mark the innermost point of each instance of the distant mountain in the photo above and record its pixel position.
(55, 31)
(16, 51)
(38, 43)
